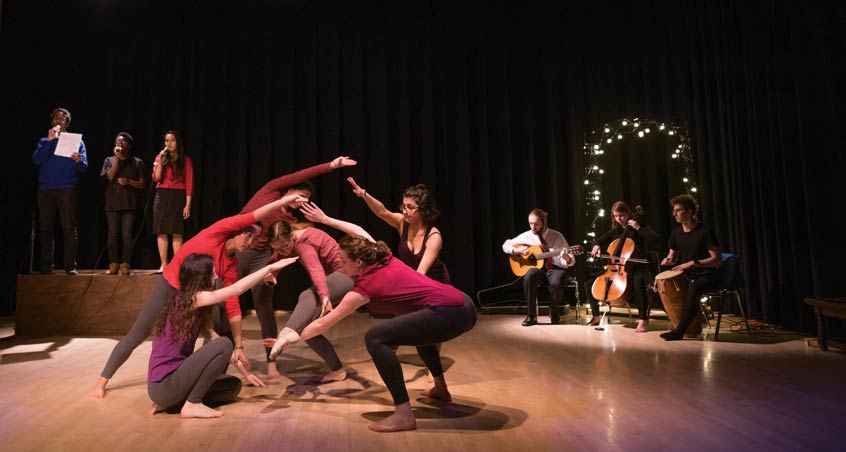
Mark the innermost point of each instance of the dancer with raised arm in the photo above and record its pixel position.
(259, 254)
(221, 241)
(427, 313)
(177, 374)
(420, 241)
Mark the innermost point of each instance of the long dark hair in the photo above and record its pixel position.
(360, 248)
(195, 275)
(178, 165)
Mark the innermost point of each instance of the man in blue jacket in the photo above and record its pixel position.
(57, 179)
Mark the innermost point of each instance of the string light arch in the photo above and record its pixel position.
(614, 132)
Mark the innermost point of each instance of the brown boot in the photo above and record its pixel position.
(113, 269)
(124, 268)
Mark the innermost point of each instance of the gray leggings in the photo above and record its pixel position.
(248, 262)
(199, 379)
(308, 310)
(161, 293)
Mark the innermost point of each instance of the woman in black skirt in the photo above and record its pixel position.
(173, 173)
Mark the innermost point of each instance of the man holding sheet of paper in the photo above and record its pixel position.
(60, 158)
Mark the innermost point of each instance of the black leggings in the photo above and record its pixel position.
(423, 329)
(200, 378)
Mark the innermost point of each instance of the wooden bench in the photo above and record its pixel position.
(826, 307)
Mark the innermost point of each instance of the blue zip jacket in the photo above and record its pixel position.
(56, 172)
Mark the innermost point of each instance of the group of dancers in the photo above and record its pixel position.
(357, 271)
(197, 292)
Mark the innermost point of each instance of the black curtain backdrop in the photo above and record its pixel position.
(486, 102)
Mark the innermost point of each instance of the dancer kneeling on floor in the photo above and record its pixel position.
(176, 373)
(428, 313)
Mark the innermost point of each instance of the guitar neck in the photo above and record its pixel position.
(550, 253)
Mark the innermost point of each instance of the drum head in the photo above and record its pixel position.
(669, 274)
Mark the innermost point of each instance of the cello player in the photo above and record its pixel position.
(624, 225)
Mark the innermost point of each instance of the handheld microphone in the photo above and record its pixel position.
(57, 130)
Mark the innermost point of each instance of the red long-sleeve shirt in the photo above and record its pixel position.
(273, 191)
(170, 180)
(319, 253)
(212, 241)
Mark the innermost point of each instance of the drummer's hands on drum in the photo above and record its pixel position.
(682, 267)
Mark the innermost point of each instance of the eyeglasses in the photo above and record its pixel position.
(408, 207)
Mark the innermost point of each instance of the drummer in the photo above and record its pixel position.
(623, 225)
(695, 251)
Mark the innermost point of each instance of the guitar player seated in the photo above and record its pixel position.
(552, 271)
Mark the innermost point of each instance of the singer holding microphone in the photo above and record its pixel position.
(57, 179)
(125, 176)
(173, 173)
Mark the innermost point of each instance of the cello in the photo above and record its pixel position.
(611, 286)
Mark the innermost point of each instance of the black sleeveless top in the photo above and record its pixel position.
(438, 271)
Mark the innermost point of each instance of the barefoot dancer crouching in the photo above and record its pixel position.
(428, 313)
(176, 372)
(220, 240)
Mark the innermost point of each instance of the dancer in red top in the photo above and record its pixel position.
(428, 313)
(220, 240)
(259, 253)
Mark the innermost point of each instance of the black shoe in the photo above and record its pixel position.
(72, 272)
(555, 320)
(530, 320)
(672, 336)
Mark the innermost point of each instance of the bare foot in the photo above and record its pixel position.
(155, 409)
(438, 393)
(401, 420)
(338, 375)
(198, 410)
(642, 326)
(100, 390)
(272, 371)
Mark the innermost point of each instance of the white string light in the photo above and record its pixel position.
(618, 130)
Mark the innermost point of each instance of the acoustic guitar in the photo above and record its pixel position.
(535, 258)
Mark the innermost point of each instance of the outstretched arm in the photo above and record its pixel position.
(208, 298)
(315, 214)
(285, 201)
(392, 218)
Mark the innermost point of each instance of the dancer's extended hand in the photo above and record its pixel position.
(327, 306)
(249, 376)
(280, 264)
(358, 191)
(239, 358)
(313, 213)
(342, 161)
(293, 200)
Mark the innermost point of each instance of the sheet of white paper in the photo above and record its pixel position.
(68, 144)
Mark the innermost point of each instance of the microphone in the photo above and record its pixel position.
(57, 130)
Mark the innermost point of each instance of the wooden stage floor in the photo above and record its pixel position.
(543, 388)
